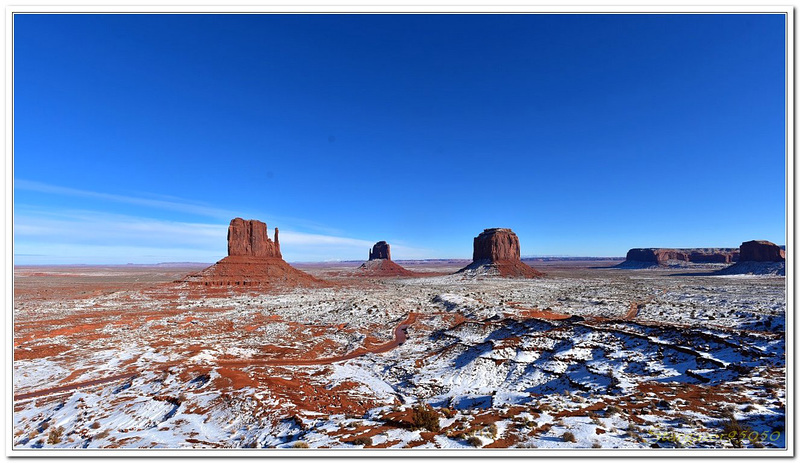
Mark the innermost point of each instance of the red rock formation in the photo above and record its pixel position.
(380, 263)
(381, 250)
(761, 251)
(249, 238)
(496, 244)
(383, 268)
(253, 260)
(496, 251)
(660, 256)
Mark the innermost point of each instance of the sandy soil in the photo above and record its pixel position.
(130, 357)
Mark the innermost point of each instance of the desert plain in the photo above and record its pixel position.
(587, 356)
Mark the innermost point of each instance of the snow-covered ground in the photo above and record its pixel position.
(637, 358)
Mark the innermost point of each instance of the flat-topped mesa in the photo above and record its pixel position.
(495, 244)
(381, 250)
(249, 238)
(761, 251)
(496, 251)
(662, 256)
(758, 257)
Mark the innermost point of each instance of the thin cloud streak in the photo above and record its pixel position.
(172, 204)
(197, 209)
(60, 236)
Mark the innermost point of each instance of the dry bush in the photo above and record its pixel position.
(493, 430)
(568, 437)
(475, 441)
(300, 445)
(734, 430)
(424, 417)
(362, 440)
(448, 412)
(54, 437)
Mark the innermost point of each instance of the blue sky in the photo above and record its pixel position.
(138, 137)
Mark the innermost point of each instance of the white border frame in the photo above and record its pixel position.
(7, 271)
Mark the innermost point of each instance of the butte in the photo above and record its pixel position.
(253, 260)
(380, 263)
(496, 253)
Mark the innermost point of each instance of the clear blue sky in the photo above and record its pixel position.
(138, 137)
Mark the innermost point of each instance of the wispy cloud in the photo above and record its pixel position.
(80, 236)
(174, 205)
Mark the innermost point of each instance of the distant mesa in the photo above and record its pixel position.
(655, 257)
(380, 263)
(758, 257)
(253, 260)
(761, 251)
(496, 252)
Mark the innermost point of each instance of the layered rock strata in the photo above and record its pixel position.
(253, 260)
(496, 251)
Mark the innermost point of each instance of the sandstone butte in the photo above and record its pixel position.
(761, 251)
(659, 256)
(497, 249)
(253, 260)
(380, 263)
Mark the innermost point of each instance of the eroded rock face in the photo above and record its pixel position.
(496, 252)
(249, 238)
(496, 244)
(659, 256)
(761, 251)
(381, 250)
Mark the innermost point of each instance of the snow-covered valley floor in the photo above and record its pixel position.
(582, 358)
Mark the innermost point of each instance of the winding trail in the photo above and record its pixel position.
(72, 386)
(400, 336)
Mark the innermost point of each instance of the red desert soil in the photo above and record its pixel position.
(384, 268)
(400, 336)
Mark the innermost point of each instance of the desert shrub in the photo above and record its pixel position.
(448, 412)
(596, 445)
(103, 434)
(95, 425)
(362, 440)
(493, 430)
(54, 437)
(475, 441)
(734, 430)
(544, 408)
(300, 445)
(729, 412)
(425, 417)
(568, 437)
